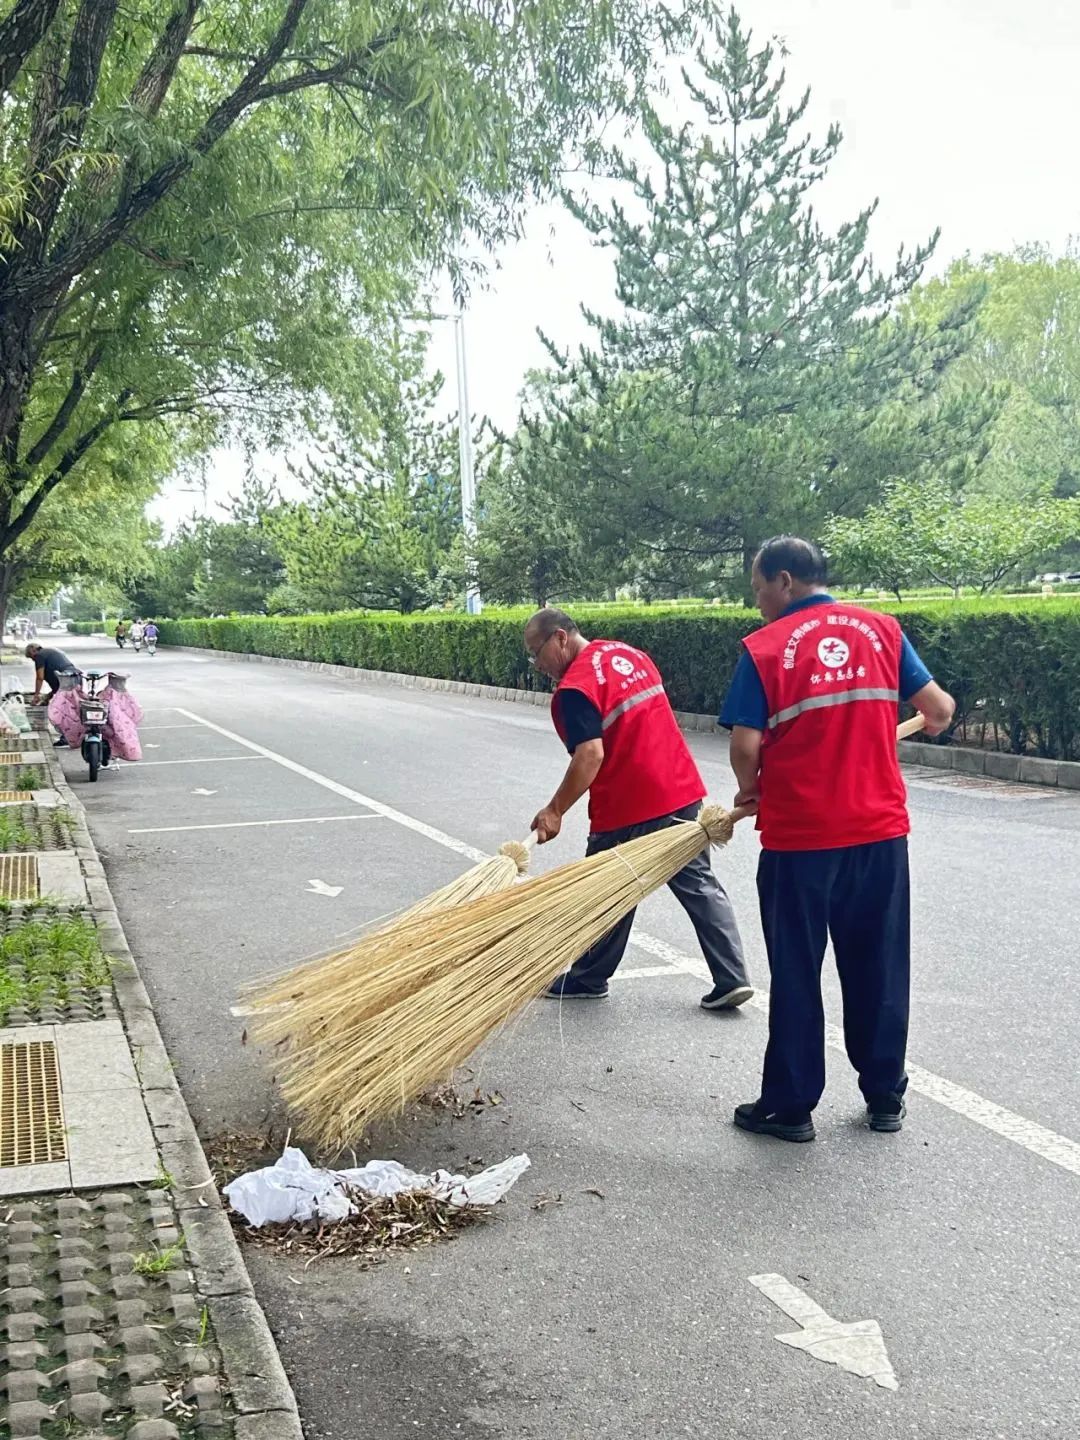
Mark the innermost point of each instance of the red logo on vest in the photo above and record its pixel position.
(648, 770)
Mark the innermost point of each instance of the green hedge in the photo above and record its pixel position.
(1013, 665)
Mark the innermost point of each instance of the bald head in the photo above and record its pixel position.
(553, 641)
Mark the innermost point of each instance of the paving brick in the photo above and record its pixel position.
(80, 1319)
(88, 1407)
(20, 1385)
(140, 1369)
(128, 1313)
(128, 1353)
(71, 1207)
(24, 1298)
(26, 1419)
(73, 1268)
(127, 1287)
(76, 1292)
(80, 1375)
(23, 1355)
(148, 1400)
(83, 1347)
(24, 1326)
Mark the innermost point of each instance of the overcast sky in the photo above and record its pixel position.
(961, 114)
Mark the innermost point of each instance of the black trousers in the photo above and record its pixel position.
(699, 893)
(860, 896)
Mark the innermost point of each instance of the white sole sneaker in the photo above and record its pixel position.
(731, 1000)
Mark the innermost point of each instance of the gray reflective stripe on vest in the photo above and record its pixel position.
(833, 697)
(650, 694)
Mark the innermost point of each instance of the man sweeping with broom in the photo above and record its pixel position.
(627, 751)
(812, 711)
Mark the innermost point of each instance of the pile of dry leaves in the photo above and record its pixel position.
(380, 1226)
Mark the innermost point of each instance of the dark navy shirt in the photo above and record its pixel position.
(745, 702)
(52, 662)
(578, 716)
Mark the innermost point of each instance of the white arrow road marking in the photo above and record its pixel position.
(149, 746)
(320, 887)
(856, 1346)
(201, 791)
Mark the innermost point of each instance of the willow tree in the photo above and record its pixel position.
(211, 211)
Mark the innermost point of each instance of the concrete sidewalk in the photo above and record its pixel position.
(127, 1308)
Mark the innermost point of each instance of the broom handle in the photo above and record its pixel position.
(743, 812)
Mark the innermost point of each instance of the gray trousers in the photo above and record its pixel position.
(699, 893)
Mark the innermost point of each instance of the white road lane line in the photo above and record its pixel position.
(201, 760)
(440, 837)
(641, 972)
(188, 726)
(1029, 1135)
(247, 824)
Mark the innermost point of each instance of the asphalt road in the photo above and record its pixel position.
(627, 1313)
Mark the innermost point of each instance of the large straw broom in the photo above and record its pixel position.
(368, 1038)
(379, 1036)
(292, 1005)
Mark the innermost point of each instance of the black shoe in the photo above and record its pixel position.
(794, 1125)
(886, 1112)
(567, 987)
(59, 743)
(722, 998)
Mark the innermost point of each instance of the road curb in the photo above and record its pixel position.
(1020, 769)
(263, 1398)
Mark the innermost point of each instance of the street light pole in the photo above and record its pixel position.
(473, 603)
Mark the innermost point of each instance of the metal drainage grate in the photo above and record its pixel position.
(12, 757)
(19, 877)
(31, 1120)
(6, 795)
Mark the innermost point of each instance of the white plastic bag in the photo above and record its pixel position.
(15, 714)
(294, 1189)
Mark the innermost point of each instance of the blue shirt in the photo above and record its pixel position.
(745, 702)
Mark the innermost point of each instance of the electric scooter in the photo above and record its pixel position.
(94, 713)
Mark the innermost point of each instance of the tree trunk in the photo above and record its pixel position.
(16, 365)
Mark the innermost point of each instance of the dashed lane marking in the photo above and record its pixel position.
(247, 824)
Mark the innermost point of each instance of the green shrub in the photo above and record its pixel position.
(1012, 663)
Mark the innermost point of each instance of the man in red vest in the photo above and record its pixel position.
(812, 711)
(627, 751)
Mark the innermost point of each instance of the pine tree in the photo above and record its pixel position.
(758, 378)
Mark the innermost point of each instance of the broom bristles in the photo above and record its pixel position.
(377, 1036)
(279, 1002)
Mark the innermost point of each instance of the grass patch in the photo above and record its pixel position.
(28, 777)
(47, 959)
(157, 1262)
(13, 833)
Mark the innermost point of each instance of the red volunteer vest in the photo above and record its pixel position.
(830, 776)
(647, 769)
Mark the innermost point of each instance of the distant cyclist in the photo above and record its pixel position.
(138, 630)
(121, 633)
(150, 635)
